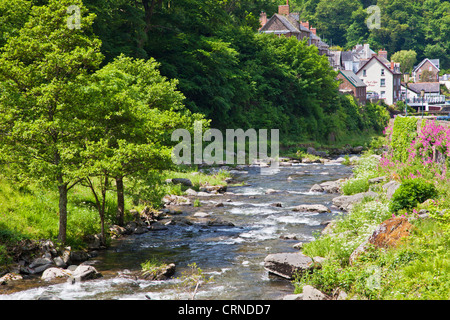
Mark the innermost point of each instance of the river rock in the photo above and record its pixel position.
(377, 180)
(328, 186)
(176, 200)
(54, 273)
(200, 214)
(290, 236)
(117, 231)
(85, 272)
(320, 208)
(190, 192)
(219, 222)
(78, 256)
(182, 181)
(214, 189)
(316, 188)
(390, 188)
(346, 202)
(94, 241)
(39, 265)
(311, 293)
(298, 296)
(10, 277)
(286, 265)
(166, 272)
(276, 204)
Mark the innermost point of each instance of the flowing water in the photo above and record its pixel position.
(232, 255)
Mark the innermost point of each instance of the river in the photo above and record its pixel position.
(232, 255)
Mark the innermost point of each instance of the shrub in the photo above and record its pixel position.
(412, 192)
(354, 186)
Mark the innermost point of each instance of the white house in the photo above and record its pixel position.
(382, 79)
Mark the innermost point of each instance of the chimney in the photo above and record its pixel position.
(313, 30)
(263, 19)
(392, 65)
(382, 53)
(367, 51)
(305, 24)
(284, 10)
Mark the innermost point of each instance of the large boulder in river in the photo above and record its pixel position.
(85, 272)
(287, 264)
(346, 202)
(320, 208)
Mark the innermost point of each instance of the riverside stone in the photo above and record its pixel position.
(327, 186)
(390, 188)
(346, 202)
(53, 273)
(182, 181)
(311, 293)
(287, 264)
(86, 272)
(320, 208)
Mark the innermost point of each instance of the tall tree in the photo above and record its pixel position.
(39, 123)
(406, 58)
(130, 112)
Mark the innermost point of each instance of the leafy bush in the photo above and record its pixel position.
(412, 192)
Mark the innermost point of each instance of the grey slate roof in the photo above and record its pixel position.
(347, 56)
(429, 87)
(353, 78)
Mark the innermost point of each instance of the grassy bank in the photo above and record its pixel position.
(368, 140)
(419, 266)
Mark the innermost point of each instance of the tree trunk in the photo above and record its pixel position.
(62, 213)
(102, 209)
(120, 201)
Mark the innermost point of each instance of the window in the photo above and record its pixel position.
(383, 94)
(364, 73)
(382, 72)
(383, 83)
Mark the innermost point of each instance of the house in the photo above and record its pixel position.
(431, 100)
(426, 71)
(351, 60)
(352, 83)
(285, 23)
(383, 78)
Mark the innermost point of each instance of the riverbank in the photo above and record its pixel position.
(374, 253)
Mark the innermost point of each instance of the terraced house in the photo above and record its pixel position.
(285, 23)
(382, 78)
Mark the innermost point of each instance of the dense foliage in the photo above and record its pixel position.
(412, 192)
